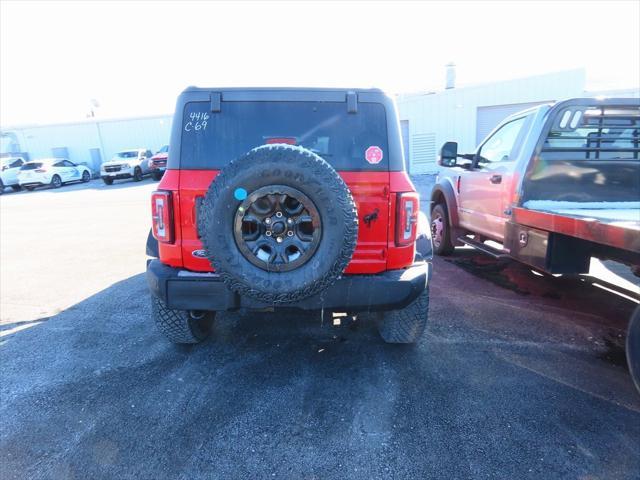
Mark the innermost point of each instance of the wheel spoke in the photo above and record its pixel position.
(250, 228)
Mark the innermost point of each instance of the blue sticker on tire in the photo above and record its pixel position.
(240, 194)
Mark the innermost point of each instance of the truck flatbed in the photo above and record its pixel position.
(613, 227)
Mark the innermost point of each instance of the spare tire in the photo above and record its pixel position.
(278, 224)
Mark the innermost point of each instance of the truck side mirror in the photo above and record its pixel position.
(448, 154)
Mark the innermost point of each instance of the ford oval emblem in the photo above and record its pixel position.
(199, 253)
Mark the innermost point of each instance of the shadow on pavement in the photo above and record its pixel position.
(96, 392)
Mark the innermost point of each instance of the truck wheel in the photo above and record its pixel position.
(278, 224)
(107, 180)
(137, 174)
(441, 230)
(633, 347)
(181, 326)
(405, 325)
(157, 176)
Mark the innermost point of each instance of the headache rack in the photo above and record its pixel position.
(589, 151)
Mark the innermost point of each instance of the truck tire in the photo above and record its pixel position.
(157, 176)
(137, 174)
(278, 224)
(407, 324)
(180, 326)
(107, 180)
(633, 347)
(441, 231)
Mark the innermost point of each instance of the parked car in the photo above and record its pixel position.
(132, 163)
(158, 163)
(551, 187)
(9, 168)
(54, 172)
(286, 199)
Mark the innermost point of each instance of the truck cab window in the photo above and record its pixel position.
(500, 146)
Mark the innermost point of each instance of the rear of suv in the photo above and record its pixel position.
(286, 199)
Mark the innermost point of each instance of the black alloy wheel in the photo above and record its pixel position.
(277, 228)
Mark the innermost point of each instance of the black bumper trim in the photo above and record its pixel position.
(117, 176)
(391, 290)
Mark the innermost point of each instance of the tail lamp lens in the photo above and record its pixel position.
(162, 216)
(407, 218)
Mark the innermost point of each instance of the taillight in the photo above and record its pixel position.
(162, 216)
(408, 206)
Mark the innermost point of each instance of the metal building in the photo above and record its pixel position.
(468, 114)
(89, 142)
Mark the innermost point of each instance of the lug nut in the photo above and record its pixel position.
(289, 221)
(268, 233)
(278, 214)
(267, 221)
(279, 239)
(290, 233)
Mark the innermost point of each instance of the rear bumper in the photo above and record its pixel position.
(392, 290)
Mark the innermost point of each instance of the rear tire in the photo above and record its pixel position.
(633, 347)
(180, 326)
(107, 180)
(406, 325)
(16, 188)
(137, 174)
(157, 176)
(441, 230)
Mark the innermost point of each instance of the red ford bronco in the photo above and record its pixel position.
(286, 198)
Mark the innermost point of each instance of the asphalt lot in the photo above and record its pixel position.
(518, 375)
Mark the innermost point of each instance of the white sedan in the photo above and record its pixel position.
(51, 171)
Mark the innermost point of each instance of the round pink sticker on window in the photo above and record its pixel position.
(373, 154)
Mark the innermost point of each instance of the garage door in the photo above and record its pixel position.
(489, 117)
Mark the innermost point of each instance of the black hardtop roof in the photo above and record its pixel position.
(281, 89)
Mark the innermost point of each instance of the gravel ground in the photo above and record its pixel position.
(517, 376)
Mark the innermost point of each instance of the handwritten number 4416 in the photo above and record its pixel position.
(198, 121)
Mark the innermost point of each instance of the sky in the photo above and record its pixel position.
(134, 58)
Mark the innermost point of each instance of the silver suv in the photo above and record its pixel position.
(132, 163)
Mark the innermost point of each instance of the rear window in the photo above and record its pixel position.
(211, 140)
(31, 166)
